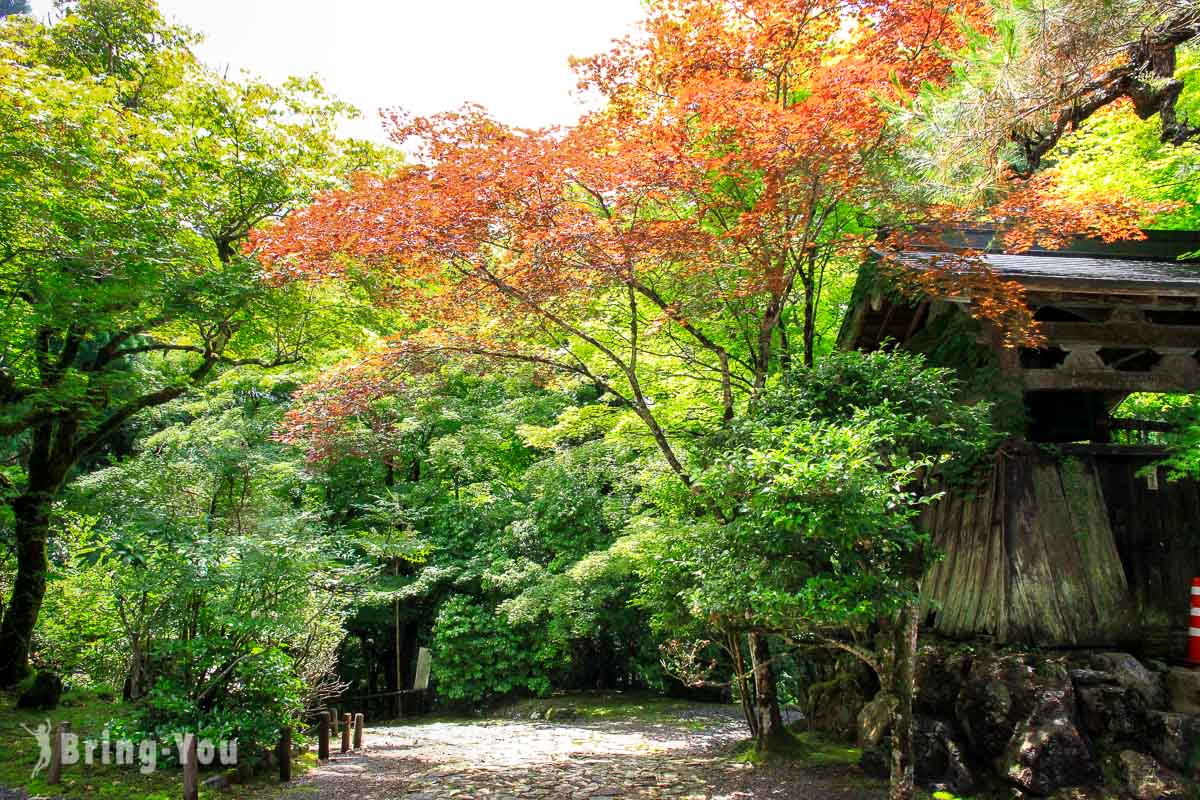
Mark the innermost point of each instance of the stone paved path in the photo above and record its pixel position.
(584, 760)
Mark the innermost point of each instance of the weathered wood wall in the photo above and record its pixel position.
(1065, 550)
(1157, 531)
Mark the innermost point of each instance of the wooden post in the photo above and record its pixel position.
(359, 719)
(349, 723)
(323, 737)
(285, 755)
(396, 634)
(191, 768)
(54, 772)
(333, 718)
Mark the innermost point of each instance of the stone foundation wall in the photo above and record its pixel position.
(1078, 725)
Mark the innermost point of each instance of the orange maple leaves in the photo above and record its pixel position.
(743, 145)
(744, 121)
(1043, 212)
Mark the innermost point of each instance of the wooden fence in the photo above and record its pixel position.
(350, 725)
(351, 728)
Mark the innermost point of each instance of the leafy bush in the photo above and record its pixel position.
(41, 691)
(820, 491)
(917, 410)
(818, 530)
(478, 655)
(252, 694)
(79, 632)
(206, 573)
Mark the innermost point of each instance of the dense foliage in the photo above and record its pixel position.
(130, 174)
(565, 408)
(473, 497)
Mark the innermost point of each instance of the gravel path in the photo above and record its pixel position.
(574, 760)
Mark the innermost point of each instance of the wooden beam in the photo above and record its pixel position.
(1145, 288)
(1121, 334)
(1156, 426)
(917, 319)
(1069, 300)
(1108, 380)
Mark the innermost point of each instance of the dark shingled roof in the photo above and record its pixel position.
(1137, 266)
(1076, 271)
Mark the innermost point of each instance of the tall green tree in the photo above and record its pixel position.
(227, 588)
(819, 541)
(130, 174)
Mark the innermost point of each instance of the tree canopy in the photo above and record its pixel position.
(278, 409)
(130, 174)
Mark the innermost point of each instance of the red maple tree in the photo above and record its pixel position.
(745, 151)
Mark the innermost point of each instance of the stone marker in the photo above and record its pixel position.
(421, 679)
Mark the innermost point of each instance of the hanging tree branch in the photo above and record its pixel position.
(1145, 75)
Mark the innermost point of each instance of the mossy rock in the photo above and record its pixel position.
(834, 705)
(41, 692)
(561, 714)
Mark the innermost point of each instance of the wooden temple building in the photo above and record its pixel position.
(1075, 538)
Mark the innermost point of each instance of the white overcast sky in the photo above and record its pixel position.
(421, 55)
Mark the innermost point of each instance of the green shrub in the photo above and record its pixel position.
(40, 691)
(221, 694)
(478, 655)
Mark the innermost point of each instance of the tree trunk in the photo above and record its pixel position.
(371, 664)
(135, 683)
(771, 733)
(32, 515)
(743, 681)
(810, 320)
(902, 680)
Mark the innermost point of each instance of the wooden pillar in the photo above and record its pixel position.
(54, 772)
(348, 723)
(323, 737)
(285, 755)
(191, 768)
(333, 718)
(359, 720)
